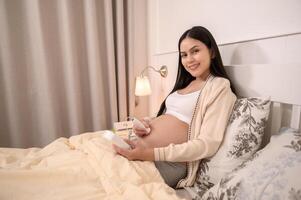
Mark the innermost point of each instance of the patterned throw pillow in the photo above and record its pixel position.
(242, 139)
(271, 173)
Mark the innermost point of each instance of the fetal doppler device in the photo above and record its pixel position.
(117, 140)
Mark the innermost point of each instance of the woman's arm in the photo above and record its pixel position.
(136, 152)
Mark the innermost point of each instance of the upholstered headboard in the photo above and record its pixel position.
(280, 83)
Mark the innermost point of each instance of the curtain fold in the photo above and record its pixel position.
(63, 69)
(121, 60)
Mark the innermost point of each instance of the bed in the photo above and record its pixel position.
(86, 167)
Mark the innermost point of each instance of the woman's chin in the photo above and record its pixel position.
(195, 74)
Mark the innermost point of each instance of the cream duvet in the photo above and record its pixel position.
(80, 167)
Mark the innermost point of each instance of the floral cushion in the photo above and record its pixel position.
(242, 139)
(271, 173)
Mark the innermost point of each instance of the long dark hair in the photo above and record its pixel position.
(216, 67)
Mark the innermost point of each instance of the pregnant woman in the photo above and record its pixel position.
(191, 122)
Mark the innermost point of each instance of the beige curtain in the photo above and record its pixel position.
(63, 69)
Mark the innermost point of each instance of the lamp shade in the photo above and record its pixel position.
(142, 86)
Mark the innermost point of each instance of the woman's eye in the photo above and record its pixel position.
(183, 55)
(195, 51)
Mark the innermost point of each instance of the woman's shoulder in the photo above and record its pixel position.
(219, 86)
(219, 82)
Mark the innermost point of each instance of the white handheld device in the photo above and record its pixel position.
(139, 124)
(109, 135)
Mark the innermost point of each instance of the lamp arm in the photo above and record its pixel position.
(147, 68)
(162, 71)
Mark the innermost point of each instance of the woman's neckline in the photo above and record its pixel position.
(202, 85)
(188, 93)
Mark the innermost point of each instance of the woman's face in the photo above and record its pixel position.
(195, 57)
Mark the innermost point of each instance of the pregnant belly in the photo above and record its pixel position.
(165, 129)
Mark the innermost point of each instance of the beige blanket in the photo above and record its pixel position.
(81, 167)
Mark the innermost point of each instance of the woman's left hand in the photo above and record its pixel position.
(136, 152)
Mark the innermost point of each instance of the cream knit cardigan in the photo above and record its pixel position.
(206, 129)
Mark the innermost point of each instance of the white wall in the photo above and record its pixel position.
(248, 32)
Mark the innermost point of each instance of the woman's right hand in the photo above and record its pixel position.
(136, 152)
(142, 131)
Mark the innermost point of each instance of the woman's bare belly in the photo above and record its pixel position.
(165, 129)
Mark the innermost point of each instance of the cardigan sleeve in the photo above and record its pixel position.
(210, 132)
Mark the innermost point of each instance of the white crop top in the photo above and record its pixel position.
(181, 105)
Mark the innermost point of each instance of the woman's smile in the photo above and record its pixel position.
(193, 66)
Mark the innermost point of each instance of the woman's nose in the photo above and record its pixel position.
(190, 58)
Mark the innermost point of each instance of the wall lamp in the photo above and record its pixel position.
(142, 82)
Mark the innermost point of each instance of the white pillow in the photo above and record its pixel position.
(271, 173)
(242, 139)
